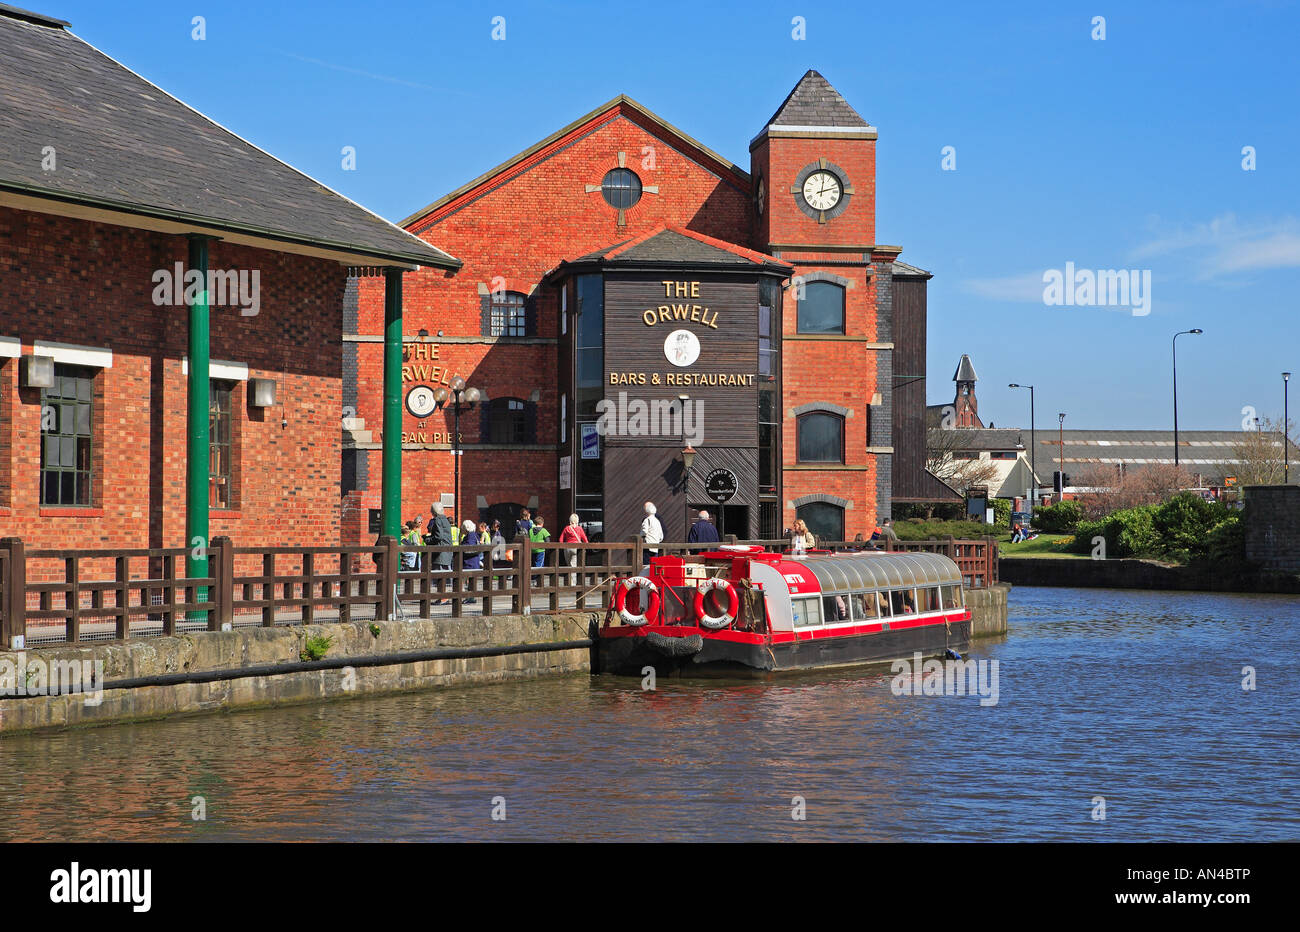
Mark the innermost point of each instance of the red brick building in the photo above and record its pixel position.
(594, 264)
(109, 187)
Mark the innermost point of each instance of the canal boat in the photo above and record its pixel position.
(741, 610)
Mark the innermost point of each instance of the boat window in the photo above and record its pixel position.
(930, 599)
(952, 597)
(864, 606)
(903, 601)
(807, 612)
(835, 608)
(882, 603)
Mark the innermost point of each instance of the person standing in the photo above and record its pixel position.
(801, 539)
(411, 538)
(539, 535)
(439, 535)
(703, 531)
(524, 526)
(572, 534)
(651, 531)
(887, 531)
(472, 561)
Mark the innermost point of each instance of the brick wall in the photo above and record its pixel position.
(1273, 527)
(90, 284)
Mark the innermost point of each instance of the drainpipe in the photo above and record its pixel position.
(392, 480)
(197, 449)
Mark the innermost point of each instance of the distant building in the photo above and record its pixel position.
(963, 411)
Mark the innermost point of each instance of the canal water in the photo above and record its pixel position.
(1131, 701)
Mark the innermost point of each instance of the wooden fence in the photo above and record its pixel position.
(74, 596)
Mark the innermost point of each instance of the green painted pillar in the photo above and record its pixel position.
(392, 482)
(197, 450)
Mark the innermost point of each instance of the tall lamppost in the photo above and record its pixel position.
(1033, 447)
(1174, 343)
(1286, 430)
(459, 395)
(1060, 436)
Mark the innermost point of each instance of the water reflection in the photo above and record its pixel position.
(1133, 696)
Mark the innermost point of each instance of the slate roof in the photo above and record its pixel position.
(125, 145)
(965, 370)
(987, 438)
(675, 245)
(903, 270)
(813, 102)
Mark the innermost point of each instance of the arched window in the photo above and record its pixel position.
(825, 520)
(509, 314)
(507, 421)
(821, 309)
(821, 438)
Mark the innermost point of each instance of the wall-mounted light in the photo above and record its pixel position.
(37, 372)
(261, 392)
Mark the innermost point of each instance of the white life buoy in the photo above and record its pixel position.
(716, 622)
(649, 600)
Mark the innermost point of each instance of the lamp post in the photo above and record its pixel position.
(1033, 447)
(1174, 343)
(688, 459)
(1060, 436)
(459, 395)
(1286, 431)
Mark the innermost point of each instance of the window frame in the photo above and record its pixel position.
(88, 375)
(799, 433)
(508, 315)
(806, 289)
(217, 388)
(502, 415)
(614, 193)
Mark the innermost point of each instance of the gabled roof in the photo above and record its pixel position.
(673, 245)
(903, 270)
(965, 370)
(620, 106)
(813, 102)
(129, 153)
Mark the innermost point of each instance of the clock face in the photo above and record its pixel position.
(420, 401)
(822, 190)
(761, 196)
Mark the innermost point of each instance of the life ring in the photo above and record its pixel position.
(716, 622)
(650, 610)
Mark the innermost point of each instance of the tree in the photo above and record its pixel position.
(1259, 454)
(1111, 488)
(943, 459)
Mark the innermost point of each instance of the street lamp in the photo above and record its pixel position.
(459, 395)
(1286, 430)
(1033, 447)
(688, 460)
(1174, 343)
(1060, 436)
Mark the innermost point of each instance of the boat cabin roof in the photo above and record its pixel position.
(855, 572)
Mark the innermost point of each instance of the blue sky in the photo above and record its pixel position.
(1123, 153)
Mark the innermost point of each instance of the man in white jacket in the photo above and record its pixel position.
(651, 531)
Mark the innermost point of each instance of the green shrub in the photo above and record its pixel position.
(1002, 512)
(1061, 518)
(1129, 533)
(316, 647)
(1226, 542)
(1185, 521)
(918, 529)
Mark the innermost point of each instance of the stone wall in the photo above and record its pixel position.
(1139, 574)
(244, 648)
(988, 608)
(1273, 527)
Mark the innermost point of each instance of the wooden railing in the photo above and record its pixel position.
(74, 596)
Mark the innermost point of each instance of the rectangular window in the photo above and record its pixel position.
(965, 455)
(929, 599)
(1000, 455)
(220, 444)
(67, 414)
(864, 606)
(807, 612)
(952, 597)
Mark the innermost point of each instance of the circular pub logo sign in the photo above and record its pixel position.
(720, 485)
(682, 348)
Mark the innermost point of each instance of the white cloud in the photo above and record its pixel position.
(1225, 246)
(1027, 287)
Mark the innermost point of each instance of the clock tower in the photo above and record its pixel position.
(814, 172)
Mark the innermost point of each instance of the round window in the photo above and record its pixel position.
(621, 188)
